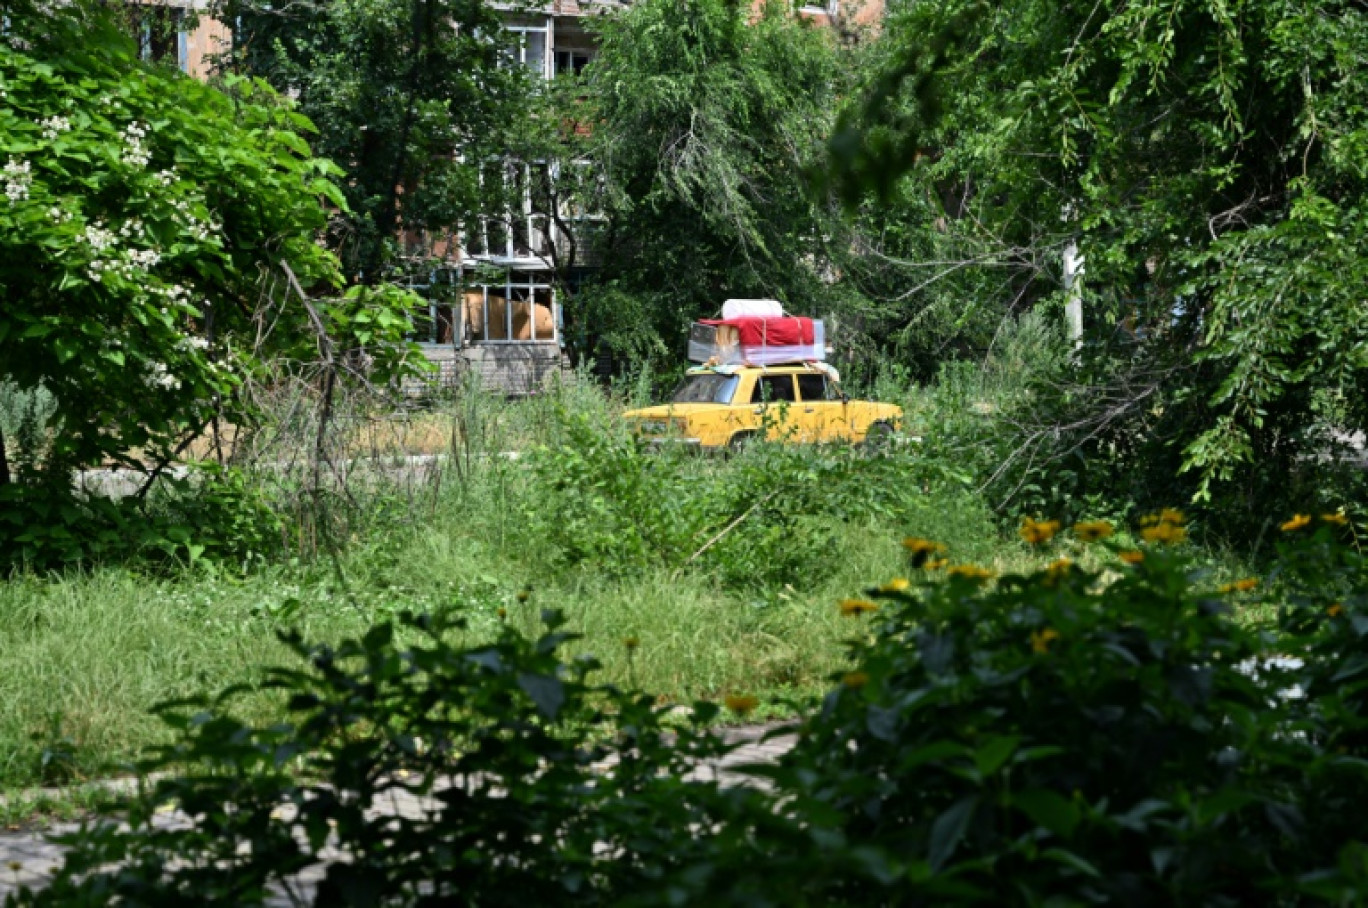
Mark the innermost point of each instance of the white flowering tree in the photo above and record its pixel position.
(140, 211)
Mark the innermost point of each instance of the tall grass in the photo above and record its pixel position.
(85, 655)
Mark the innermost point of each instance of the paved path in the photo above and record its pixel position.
(28, 858)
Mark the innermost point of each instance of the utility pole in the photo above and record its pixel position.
(1073, 293)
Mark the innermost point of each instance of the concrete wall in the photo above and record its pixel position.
(209, 38)
(849, 14)
(511, 368)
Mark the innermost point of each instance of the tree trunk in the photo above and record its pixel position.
(4, 462)
(1073, 290)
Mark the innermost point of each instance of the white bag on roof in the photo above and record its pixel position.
(752, 309)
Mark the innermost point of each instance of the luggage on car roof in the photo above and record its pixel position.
(757, 341)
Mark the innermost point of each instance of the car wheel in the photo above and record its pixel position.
(879, 436)
(740, 442)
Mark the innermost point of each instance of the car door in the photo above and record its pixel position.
(773, 402)
(823, 416)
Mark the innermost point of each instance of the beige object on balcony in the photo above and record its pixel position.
(528, 317)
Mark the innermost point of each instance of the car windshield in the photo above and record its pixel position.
(706, 389)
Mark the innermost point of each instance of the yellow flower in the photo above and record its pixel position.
(935, 564)
(1240, 586)
(921, 549)
(524, 594)
(896, 585)
(630, 643)
(1163, 532)
(1131, 556)
(855, 680)
(1092, 530)
(970, 572)
(1041, 639)
(1056, 571)
(1296, 523)
(741, 704)
(1335, 610)
(851, 608)
(1037, 532)
(501, 612)
(1338, 520)
(1167, 515)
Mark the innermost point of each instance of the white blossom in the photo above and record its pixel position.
(17, 176)
(159, 377)
(135, 152)
(144, 258)
(98, 237)
(54, 126)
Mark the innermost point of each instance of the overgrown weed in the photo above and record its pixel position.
(628, 544)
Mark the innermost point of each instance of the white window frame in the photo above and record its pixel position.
(570, 52)
(519, 51)
(457, 307)
(531, 286)
(518, 218)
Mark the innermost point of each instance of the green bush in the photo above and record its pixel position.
(212, 512)
(1062, 737)
(603, 501)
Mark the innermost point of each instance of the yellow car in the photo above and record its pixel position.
(727, 406)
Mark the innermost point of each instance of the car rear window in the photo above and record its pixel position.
(813, 387)
(706, 389)
(773, 389)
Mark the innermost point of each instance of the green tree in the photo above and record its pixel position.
(141, 211)
(409, 98)
(704, 123)
(1208, 162)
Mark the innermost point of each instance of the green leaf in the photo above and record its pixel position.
(1049, 809)
(995, 752)
(1069, 859)
(948, 830)
(546, 692)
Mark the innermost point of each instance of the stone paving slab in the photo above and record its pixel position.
(30, 858)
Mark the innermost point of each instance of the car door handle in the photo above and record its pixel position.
(809, 409)
(760, 409)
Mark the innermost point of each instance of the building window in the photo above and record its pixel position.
(530, 47)
(437, 322)
(161, 34)
(522, 191)
(521, 310)
(816, 6)
(572, 62)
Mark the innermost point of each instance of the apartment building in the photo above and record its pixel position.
(491, 288)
